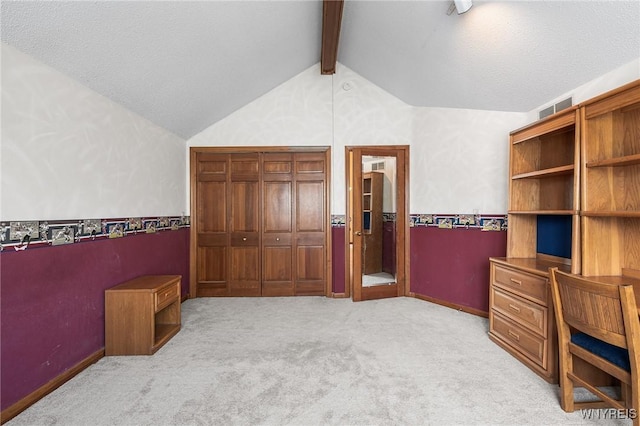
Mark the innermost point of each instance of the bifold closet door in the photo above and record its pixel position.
(293, 232)
(261, 224)
(310, 207)
(244, 222)
(228, 241)
(212, 236)
(277, 225)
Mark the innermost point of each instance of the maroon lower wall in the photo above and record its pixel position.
(452, 265)
(389, 247)
(337, 258)
(52, 301)
(52, 298)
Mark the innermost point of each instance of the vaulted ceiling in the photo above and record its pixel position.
(186, 65)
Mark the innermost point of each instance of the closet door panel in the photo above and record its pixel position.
(245, 274)
(310, 267)
(277, 228)
(310, 206)
(311, 163)
(244, 206)
(244, 165)
(212, 207)
(310, 224)
(212, 273)
(277, 271)
(212, 167)
(277, 207)
(244, 223)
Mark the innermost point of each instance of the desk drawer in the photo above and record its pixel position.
(166, 295)
(527, 314)
(530, 345)
(527, 285)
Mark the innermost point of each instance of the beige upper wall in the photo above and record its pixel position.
(458, 157)
(70, 153)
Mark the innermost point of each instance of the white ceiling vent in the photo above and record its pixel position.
(564, 104)
(377, 166)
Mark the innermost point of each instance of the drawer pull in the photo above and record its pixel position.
(514, 335)
(244, 238)
(277, 238)
(514, 308)
(516, 282)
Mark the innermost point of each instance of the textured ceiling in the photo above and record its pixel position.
(186, 65)
(505, 56)
(182, 65)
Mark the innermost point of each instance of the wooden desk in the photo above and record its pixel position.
(521, 319)
(141, 315)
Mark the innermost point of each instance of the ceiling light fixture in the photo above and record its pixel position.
(461, 6)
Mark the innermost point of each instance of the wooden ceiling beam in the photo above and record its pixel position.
(331, 21)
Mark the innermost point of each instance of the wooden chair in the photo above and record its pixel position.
(598, 323)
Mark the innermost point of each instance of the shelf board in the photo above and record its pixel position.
(545, 212)
(164, 332)
(627, 160)
(610, 213)
(546, 173)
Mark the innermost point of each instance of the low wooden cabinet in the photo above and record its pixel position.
(521, 318)
(141, 315)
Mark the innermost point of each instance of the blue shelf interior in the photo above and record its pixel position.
(366, 221)
(554, 235)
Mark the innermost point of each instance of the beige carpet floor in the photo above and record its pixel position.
(313, 361)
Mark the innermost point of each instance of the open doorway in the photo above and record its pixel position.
(377, 226)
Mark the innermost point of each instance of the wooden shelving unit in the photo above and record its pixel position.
(582, 163)
(611, 183)
(544, 180)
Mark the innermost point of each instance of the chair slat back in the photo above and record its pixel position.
(592, 307)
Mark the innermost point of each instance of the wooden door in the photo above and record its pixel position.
(211, 242)
(227, 240)
(277, 225)
(244, 219)
(355, 225)
(310, 206)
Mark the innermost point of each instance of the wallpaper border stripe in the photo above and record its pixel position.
(25, 234)
(443, 221)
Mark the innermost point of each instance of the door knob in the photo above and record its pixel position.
(358, 233)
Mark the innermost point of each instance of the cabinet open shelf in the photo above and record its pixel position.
(611, 213)
(547, 173)
(626, 160)
(543, 212)
(164, 332)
